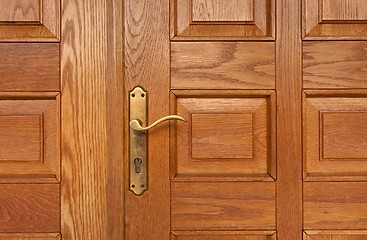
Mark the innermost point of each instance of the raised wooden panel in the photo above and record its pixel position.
(335, 205)
(223, 235)
(344, 68)
(222, 135)
(222, 10)
(230, 135)
(29, 137)
(222, 206)
(29, 67)
(334, 19)
(30, 236)
(222, 65)
(335, 136)
(347, 10)
(30, 208)
(30, 20)
(21, 138)
(222, 20)
(335, 235)
(20, 10)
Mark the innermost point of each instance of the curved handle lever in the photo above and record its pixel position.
(135, 124)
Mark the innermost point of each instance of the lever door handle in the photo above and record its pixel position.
(135, 124)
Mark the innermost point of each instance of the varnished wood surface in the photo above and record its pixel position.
(91, 194)
(335, 205)
(147, 61)
(335, 235)
(289, 120)
(30, 236)
(223, 235)
(29, 67)
(29, 208)
(222, 65)
(222, 11)
(222, 206)
(344, 68)
(20, 11)
(353, 10)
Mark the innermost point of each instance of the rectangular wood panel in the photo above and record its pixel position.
(223, 235)
(353, 10)
(221, 65)
(335, 64)
(222, 10)
(221, 206)
(30, 236)
(29, 67)
(30, 208)
(20, 10)
(335, 205)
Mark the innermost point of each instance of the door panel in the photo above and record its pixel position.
(35, 236)
(335, 235)
(223, 235)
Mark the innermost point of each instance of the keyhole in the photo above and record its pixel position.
(138, 162)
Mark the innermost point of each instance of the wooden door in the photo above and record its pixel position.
(274, 94)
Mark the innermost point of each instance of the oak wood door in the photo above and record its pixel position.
(275, 143)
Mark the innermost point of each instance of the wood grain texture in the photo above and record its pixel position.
(30, 208)
(352, 10)
(222, 206)
(222, 11)
(30, 236)
(183, 12)
(344, 135)
(222, 65)
(346, 104)
(335, 205)
(315, 28)
(45, 29)
(91, 194)
(335, 235)
(29, 67)
(45, 109)
(20, 11)
(203, 149)
(289, 120)
(345, 68)
(147, 61)
(223, 235)
(21, 138)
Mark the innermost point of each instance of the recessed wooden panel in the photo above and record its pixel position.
(20, 10)
(222, 10)
(334, 19)
(344, 135)
(227, 137)
(222, 20)
(30, 236)
(29, 67)
(30, 20)
(344, 68)
(335, 136)
(335, 205)
(335, 235)
(221, 65)
(29, 137)
(222, 206)
(21, 138)
(352, 10)
(222, 135)
(223, 235)
(30, 208)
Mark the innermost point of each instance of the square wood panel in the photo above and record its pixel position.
(335, 135)
(29, 137)
(334, 235)
(222, 19)
(223, 235)
(30, 20)
(229, 135)
(334, 19)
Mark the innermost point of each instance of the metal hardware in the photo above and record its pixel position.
(138, 139)
(134, 124)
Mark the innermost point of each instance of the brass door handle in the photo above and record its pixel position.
(135, 124)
